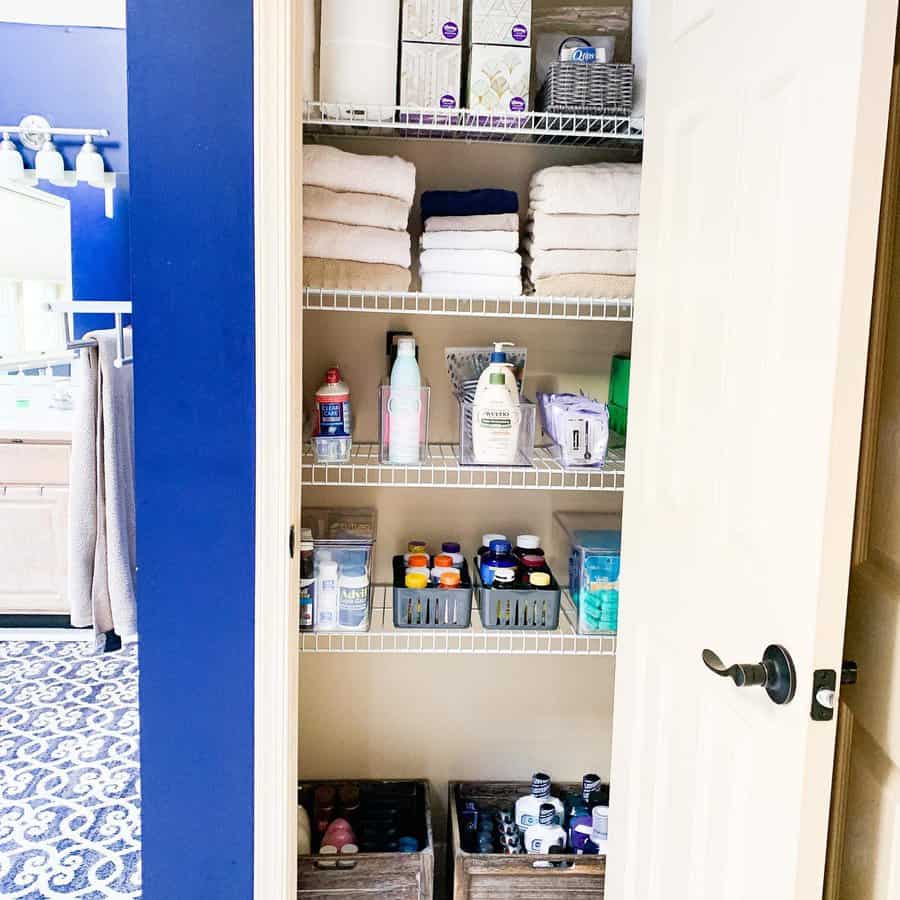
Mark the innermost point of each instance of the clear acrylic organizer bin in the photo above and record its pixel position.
(343, 563)
(403, 413)
(595, 541)
(473, 453)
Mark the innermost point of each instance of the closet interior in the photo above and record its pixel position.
(442, 704)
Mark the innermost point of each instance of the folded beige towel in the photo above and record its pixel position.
(585, 286)
(495, 222)
(606, 188)
(347, 275)
(331, 240)
(355, 209)
(338, 170)
(582, 262)
(547, 231)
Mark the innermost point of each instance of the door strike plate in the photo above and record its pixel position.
(824, 684)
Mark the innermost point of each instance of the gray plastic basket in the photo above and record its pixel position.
(589, 88)
(514, 609)
(431, 607)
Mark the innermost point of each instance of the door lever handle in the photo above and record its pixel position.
(775, 673)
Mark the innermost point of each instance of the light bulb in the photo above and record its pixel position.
(48, 162)
(12, 168)
(89, 163)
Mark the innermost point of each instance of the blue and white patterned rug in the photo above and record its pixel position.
(70, 822)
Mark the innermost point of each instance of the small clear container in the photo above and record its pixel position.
(330, 449)
(343, 564)
(524, 451)
(595, 542)
(403, 414)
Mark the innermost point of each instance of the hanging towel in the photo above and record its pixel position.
(570, 232)
(454, 285)
(355, 209)
(101, 495)
(480, 202)
(471, 262)
(586, 286)
(501, 222)
(597, 189)
(470, 240)
(582, 262)
(347, 275)
(330, 240)
(338, 170)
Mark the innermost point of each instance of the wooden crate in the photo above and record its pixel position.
(492, 876)
(400, 876)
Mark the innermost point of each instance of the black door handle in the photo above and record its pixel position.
(775, 673)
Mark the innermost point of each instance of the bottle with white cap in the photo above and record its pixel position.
(405, 405)
(596, 843)
(327, 591)
(544, 834)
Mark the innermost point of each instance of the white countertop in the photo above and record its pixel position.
(37, 421)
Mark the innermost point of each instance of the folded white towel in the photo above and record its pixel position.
(331, 240)
(337, 170)
(471, 262)
(355, 209)
(582, 262)
(571, 232)
(596, 189)
(454, 285)
(470, 240)
(495, 222)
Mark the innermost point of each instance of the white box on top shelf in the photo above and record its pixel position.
(430, 75)
(501, 22)
(432, 21)
(499, 78)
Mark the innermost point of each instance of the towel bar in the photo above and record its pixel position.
(118, 308)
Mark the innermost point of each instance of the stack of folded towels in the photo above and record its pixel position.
(470, 243)
(355, 218)
(581, 234)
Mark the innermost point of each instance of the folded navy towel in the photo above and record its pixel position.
(481, 202)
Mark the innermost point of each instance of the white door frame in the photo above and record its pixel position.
(277, 95)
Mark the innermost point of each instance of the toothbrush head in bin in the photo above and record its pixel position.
(578, 427)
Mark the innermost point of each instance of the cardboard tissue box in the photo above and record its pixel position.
(499, 79)
(430, 75)
(433, 21)
(501, 22)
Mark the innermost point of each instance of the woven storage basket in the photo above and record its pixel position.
(588, 88)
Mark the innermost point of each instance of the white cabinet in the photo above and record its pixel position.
(34, 511)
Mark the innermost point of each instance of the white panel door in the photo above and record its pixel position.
(765, 137)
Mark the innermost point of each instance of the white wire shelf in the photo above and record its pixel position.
(383, 637)
(461, 124)
(605, 309)
(444, 470)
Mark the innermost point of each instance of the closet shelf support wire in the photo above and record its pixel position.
(527, 306)
(118, 309)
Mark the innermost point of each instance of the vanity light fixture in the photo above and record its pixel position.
(89, 163)
(36, 133)
(48, 162)
(12, 167)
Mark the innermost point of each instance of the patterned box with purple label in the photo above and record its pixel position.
(433, 21)
(499, 77)
(501, 22)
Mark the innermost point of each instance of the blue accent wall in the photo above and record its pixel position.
(190, 104)
(76, 77)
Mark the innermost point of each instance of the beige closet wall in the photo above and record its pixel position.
(871, 859)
